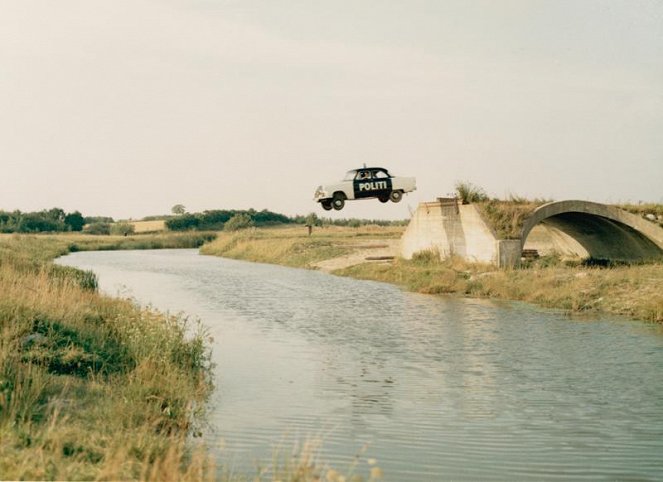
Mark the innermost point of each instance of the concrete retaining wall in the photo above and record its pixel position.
(509, 253)
(450, 229)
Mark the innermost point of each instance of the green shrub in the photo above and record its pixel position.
(85, 279)
(97, 228)
(469, 193)
(184, 222)
(122, 229)
(426, 257)
(75, 221)
(239, 221)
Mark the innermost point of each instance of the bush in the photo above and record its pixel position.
(266, 218)
(39, 222)
(183, 222)
(354, 223)
(85, 279)
(426, 257)
(122, 229)
(97, 228)
(213, 219)
(239, 221)
(469, 193)
(52, 220)
(75, 221)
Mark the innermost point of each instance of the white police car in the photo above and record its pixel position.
(364, 183)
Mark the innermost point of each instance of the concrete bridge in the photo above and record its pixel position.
(574, 228)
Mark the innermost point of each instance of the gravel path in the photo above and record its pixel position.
(369, 248)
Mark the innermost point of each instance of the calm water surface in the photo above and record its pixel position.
(433, 388)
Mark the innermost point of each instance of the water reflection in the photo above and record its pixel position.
(439, 388)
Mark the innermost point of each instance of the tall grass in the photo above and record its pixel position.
(632, 291)
(470, 193)
(89, 386)
(644, 210)
(506, 218)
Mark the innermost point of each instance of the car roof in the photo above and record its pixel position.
(369, 169)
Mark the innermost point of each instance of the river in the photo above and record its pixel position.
(433, 388)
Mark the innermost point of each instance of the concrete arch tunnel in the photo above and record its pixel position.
(587, 229)
(575, 228)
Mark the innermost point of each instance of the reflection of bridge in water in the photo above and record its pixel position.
(577, 228)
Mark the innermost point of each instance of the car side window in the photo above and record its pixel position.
(361, 175)
(380, 175)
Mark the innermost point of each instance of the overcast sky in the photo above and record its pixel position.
(125, 108)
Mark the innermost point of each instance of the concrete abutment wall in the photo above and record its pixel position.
(451, 229)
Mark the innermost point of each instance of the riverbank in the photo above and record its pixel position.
(632, 291)
(98, 388)
(93, 387)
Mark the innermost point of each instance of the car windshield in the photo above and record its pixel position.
(350, 175)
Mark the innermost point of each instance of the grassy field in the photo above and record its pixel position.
(292, 246)
(633, 291)
(142, 227)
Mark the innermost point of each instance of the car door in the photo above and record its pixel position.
(371, 183)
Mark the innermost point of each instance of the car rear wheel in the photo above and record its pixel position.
(326, 205)
(383, 199)
(338, 201)
(396, 196)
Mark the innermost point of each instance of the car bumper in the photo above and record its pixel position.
(320, 195)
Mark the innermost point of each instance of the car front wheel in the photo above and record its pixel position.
(396, 196)
(339, 201)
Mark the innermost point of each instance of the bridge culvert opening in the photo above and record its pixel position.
(590, 237)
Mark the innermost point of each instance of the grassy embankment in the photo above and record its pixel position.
(633, 291)
(93, 387)
(506, 217)
(291, 246)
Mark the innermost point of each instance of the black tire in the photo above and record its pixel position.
(384, 199)
(338, 202)
(326, 205)
(396, 196)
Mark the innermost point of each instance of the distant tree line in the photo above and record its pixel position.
(215, 220)
(57, 220)
(232, 220)
(51, 220)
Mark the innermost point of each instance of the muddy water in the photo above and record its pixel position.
(433, 388)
